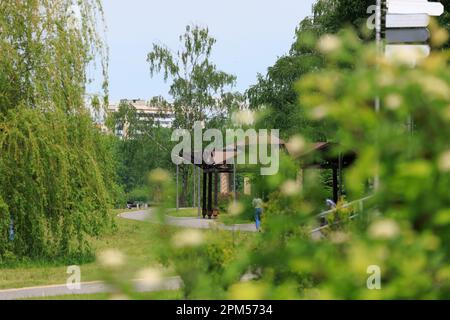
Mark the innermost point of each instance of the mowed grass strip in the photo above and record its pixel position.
(161, 295)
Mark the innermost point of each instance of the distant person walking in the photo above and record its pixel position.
(257, 204)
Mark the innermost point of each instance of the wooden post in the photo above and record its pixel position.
(234, 182)
(216, 190)
(340, 177)
(335, 185)
(225, 183)
(198, 192)
(209, 194)
(378, 18)
(178, 200)
(204, 195)
(194, 176)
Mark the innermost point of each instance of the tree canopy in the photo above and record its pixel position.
(275, 89)
(199, 90)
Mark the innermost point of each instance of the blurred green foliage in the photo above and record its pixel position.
(403, 229)
(325, 90)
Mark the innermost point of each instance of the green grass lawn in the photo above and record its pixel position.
(183, 212)
(132, 238)
(161, 295)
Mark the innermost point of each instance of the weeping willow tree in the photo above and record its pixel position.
(56, 171)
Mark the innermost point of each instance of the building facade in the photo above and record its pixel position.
(162, 117)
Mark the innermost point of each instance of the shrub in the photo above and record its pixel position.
(139, 194)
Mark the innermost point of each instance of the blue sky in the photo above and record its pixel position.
(250, 35)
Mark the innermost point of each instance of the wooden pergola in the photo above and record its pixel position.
(220, 161)
(318, 156)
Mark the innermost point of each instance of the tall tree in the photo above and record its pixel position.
(56, 173)
(333, 15)
(200, 91)
(276, 89)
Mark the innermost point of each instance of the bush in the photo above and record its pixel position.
(139, 194)
(247, 211)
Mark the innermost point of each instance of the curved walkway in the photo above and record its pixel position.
(170, 283)
(196, 223)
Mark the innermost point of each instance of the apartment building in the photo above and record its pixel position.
(145, 111)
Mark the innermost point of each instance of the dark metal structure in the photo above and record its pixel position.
(321, 155)
(218, 162)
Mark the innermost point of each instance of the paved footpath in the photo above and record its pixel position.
(171, 283)
(196, 223)
(199, 223)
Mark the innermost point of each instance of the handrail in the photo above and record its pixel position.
(325, 213)
(359, 201)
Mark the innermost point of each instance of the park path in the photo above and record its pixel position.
(196, 223)
(199, 223)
